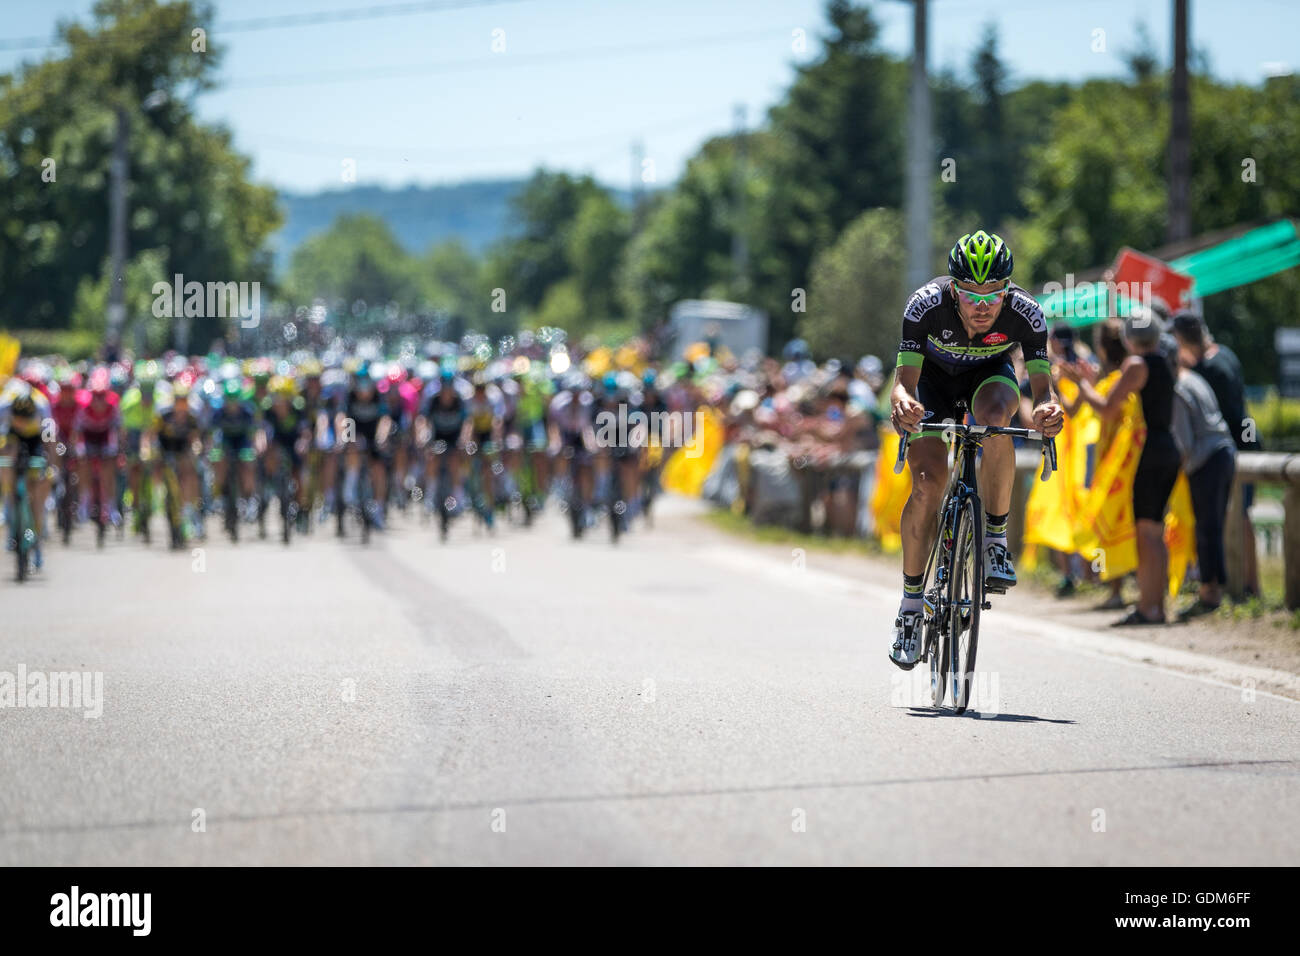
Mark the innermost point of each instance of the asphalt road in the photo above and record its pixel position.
(682, 698)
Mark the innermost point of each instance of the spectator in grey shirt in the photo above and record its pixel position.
(1209, 461)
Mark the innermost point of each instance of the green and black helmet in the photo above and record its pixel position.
(980, 257)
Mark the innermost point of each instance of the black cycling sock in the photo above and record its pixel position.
(995, 526)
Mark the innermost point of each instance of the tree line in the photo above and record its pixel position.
(800, 216)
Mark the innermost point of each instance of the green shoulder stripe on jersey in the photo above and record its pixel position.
(1038, 367)
(914, 359)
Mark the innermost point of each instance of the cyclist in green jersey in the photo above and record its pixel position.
(958, 332)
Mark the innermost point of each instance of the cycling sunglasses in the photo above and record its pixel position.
(974, 298)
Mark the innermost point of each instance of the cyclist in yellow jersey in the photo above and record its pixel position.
(25, 421)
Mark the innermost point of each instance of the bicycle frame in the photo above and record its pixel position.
(943, 645)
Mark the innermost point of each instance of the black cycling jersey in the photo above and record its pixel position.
(234, 426)
(286, 429)
(364, 412)
(933, 334)
(174, 433)
(447, 420)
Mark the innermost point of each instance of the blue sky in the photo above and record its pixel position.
(422, 97)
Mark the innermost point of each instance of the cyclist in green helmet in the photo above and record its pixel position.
(959, 331)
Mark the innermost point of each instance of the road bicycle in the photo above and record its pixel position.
(444, 493)
(953, 588)
(24, 525)
(482, 502)
(172, 500)
(67, 496)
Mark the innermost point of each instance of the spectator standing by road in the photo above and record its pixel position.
(1149, 373)
(1221, 369)
(1209, 460)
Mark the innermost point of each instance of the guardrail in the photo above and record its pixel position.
(1262, 467)
(1252, 467)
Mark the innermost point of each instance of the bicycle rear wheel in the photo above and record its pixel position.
(22, 522)
(965, 598)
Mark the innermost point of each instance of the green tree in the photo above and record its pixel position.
(596, 241)
(835, 149)
(684, 248)
(189, 193)
(854, 307)
(453, 287)
(538, 254)
(356, 266)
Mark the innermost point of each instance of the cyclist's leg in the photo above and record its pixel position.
(994, 402)
(220, 464)
(271, 464)
(8, 452)
(378, 465)
(247, 469)
(107, 466)
(927, 456)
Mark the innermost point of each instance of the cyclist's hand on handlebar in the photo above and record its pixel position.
(1049, 418)
(906, 414)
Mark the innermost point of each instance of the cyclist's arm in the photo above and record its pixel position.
(905, 408)
(1048, 416)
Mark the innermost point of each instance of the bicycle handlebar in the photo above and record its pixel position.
(1049, 444)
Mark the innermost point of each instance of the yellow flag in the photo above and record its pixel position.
(1104, 528)
(1050, 513)
(686, 469)
(890, 494)
(1180, 533)
(9, 349)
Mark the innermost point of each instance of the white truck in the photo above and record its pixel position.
(741, 328)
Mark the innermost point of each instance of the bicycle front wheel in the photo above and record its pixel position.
(965, 598)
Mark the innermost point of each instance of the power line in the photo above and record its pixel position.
(255, 24)
(404, 153)
(497, 61)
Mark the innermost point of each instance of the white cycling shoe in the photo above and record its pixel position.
(999, 572)
(908, 628)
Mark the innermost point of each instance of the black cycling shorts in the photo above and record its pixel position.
(940, 392)
(33, 443)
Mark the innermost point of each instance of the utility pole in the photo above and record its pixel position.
(638, 193)
(1180, 146)
(117, 236)
(739, 248)
(919, 158)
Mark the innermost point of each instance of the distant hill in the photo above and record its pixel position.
(476, 213)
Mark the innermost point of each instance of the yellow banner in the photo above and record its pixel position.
(890, 494)
(9, 349)
(1051, 513)
(686, 469)
(1105, 531)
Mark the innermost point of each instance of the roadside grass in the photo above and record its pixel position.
(1045, 576)
(770, 534)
